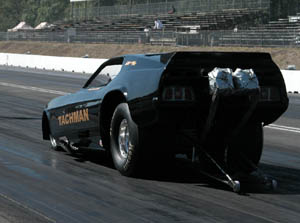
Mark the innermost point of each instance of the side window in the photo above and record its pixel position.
(111, 70)
(103, 76)
(100, 80)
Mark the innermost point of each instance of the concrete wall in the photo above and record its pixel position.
(292, 80)
(71, 64)
(89, 65)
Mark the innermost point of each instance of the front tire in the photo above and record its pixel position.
(124, 141)
(54, 145)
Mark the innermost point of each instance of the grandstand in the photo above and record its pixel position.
(282, 32)
(202, 23)
(218, 20)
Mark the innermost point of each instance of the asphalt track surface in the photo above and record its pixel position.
(40, 185)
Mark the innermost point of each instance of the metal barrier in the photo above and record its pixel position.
(168, 7)
(252, 38)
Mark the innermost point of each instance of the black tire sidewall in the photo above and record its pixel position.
(126, 166)
(249, 145)
(255, 145)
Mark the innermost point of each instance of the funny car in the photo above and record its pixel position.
(147, 106)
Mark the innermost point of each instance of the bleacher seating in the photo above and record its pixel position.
(275, 33)
(234, 27)
(224, 20)
(130, 28)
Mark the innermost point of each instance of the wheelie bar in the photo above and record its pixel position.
(198, 142)
(234, 184)
(255, 179)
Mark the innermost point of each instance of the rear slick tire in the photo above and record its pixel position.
(124, 141)
(245, 151)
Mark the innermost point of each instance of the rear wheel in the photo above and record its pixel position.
(124, 141)
(245, 151)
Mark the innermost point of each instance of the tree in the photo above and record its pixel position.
(10, 13)
(283, 8)
(30, 11)
(52, 10)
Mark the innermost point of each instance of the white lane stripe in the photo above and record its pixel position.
(284, 128)
(33, 88)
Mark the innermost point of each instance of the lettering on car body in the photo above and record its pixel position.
(132, 63)
(74, 117)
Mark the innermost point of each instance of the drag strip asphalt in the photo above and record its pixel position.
(40, 185)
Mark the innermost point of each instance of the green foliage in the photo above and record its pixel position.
(32, 12)
(52, 10)
(106, 2)
(29, 12)
(283, 8)
(10, 13)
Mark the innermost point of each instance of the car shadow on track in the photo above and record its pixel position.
(172, 171)
(287, 182)
(179, 172)
(287, 178)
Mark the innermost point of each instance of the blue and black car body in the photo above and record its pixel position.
(142, 107)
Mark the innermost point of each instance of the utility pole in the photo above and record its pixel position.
(148, 7)
(85, 10)
(166, 6)
(72, 11)
(130, 5)
(98, 7)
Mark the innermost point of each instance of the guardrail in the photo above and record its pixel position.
(90, 65)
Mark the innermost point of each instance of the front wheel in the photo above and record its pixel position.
(54, 145)
(124, 141)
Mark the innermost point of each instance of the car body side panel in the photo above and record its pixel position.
(79, 120)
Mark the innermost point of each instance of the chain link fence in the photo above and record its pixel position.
(149, 8)
(249, 38)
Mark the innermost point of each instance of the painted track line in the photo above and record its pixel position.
(283, 128)
(43, 90)
(28, 208)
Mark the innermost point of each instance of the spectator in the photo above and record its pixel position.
(235, 29)
(172, 11)
(158, 24)
(147, 33)
(155, 24)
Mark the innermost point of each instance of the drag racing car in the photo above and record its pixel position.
(147, 107)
